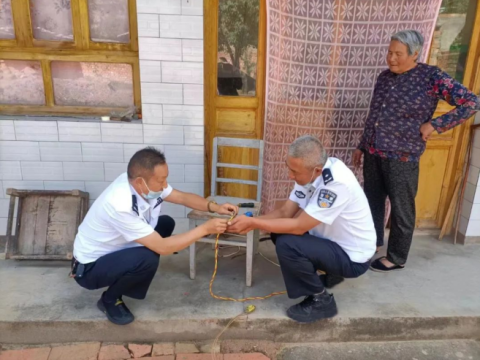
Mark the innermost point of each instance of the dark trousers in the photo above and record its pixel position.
(399, 181)
(301, 256)
(126, 272)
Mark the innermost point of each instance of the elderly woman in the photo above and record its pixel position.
(397, 128)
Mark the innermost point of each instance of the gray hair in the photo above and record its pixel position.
(310, 150)
(412, 39)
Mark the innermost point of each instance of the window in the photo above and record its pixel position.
(68, 56)
(238, 28)
(451, 39)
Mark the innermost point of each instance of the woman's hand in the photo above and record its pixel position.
(426, 130)
(357, 158)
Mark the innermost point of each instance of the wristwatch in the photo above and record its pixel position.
(208, 206)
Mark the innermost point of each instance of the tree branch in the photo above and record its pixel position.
(227, 45)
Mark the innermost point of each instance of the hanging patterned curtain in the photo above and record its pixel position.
(323, 57)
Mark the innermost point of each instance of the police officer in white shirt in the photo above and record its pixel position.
(325, 225)
(119, 242)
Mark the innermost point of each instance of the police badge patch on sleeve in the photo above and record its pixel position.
(135, 205)
(327, 176)
(299, 194)
(326, 198)
(159, 201)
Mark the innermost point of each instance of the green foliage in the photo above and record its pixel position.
(455, 6)
(238, 27)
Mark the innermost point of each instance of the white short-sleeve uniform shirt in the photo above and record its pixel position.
(115, 220)
(337, 200)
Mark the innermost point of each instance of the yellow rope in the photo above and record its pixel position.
(229, 298)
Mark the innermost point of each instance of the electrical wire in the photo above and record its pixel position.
(270, 261)
(249, 309)
(229, 298)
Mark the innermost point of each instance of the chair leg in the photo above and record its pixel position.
(193, 263)
(193, 252)
(256, 241)
(250, 254)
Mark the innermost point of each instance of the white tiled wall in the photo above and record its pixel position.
(86, 155)
(470, 220)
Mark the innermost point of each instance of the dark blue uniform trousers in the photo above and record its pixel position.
(300, 257)
(126, 272)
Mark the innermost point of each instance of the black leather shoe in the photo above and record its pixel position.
(313, 308)
(117, 312)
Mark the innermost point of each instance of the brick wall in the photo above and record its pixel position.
(469, 229)
(64, 154)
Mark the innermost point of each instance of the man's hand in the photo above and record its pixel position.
(215, 226)
(226, 209)
(426, 130)
(357, 158)
(241, 225)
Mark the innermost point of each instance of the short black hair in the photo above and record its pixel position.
(143, 162)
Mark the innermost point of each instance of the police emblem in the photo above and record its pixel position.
(300, 194)
(326, 198)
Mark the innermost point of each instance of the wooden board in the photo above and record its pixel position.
(433, 168)
(47, 223)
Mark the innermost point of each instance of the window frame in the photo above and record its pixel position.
(82, 49)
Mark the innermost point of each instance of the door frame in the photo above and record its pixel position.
(472, 82)
(212, 101)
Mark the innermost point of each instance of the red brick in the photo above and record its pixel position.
(251, 356)
(198, 357)
(140, 350)
(85, 351)
(186, 348)
(163, 349)
(207, 348)
(26, 354)
(113, 352)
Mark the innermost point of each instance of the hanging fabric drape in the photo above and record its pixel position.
(323, 57)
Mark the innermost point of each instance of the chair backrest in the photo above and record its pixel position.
(243, 143)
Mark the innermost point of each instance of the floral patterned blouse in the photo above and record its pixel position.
(401, 103)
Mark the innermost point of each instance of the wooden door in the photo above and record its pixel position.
(455, 48)
(235, 35)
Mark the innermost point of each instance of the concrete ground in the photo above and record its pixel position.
(435, 297)
(411, 350)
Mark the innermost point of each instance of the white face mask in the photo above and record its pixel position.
(308, 186)
(151, 194)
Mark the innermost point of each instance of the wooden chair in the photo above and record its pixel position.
(249, 241)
